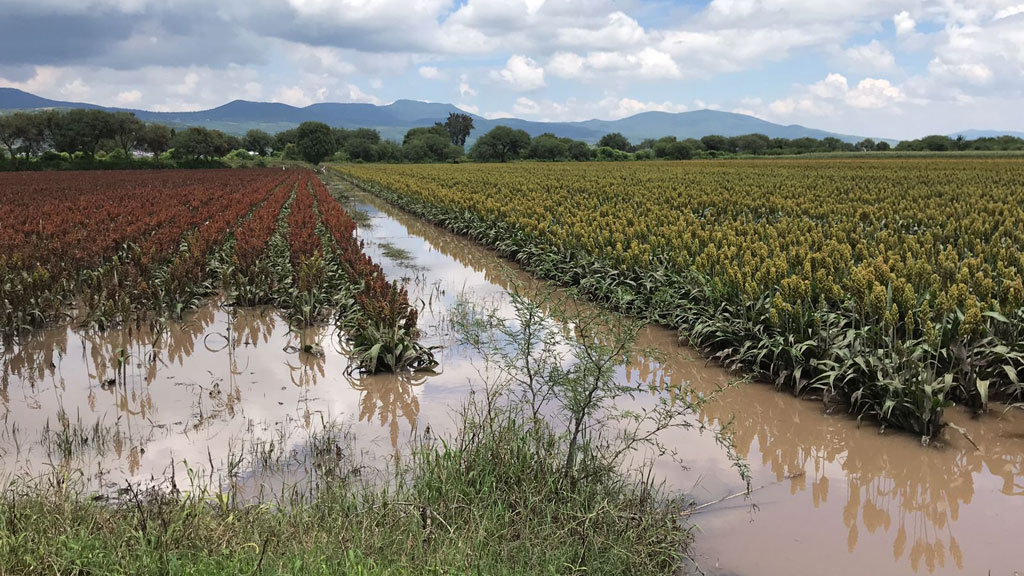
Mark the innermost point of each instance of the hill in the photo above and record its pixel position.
(394, 119)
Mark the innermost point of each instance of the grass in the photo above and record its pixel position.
(398, 255)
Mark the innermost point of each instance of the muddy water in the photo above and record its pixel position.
(831, 496)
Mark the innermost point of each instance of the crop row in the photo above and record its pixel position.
(102, 242)
(892, 286)
(122, 246)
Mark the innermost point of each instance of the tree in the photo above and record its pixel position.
(87, 128)
(314, 141)
(678, 151)
(579, 151)
(155, 139)
(716, 143)
(362, 144)
(285, 137)
(937, 143)
(615, 141)
(127, 131)
(458, 126)
(426, 144)
(9, 136)
(866, 145)
(501, 144)
(750, 143)
(197, 143)
(548, 147)
(258, 141)
(883, 146)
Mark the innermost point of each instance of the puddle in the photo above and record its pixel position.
(832, 497)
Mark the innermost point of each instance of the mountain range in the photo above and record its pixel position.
(395, 119)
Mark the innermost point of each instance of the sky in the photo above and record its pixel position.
(880, 68)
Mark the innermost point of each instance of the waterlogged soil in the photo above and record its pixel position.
(224, 388)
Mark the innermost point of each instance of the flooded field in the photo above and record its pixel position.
(830, 496)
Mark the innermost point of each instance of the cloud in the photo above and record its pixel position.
(352, 93)
(526, 106)
(293, 96)
(624, 107)
(874, 93)
(465, 90)
(870, 58)
(648, 63)
(620, 30)
(521, 73)
(826, 97)
(128, 97)
(904, 23)
(430, 73)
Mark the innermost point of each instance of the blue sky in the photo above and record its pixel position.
(886, 68)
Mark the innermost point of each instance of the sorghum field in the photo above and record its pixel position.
(108, 248)
(892, 287)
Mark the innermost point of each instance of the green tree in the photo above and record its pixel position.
(459, 127)
(127, 131)
(548, 147)
(579, 151)
(426, 144)
(285, 137)
(716, 143)
(750, 144)
(615, 141)
(9, 135)
(314, 141)
(866, 145)
(258, 141)
(155, 139)
(501, 144)
(198, 143)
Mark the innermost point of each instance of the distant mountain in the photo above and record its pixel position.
(975, 134)
(14, 99)
(394, 120)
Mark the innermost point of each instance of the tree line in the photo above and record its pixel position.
(79, 138)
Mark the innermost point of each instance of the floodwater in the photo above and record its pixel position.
(831, 496)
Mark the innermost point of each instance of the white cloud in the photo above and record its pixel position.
(824, 98)
(465, 90)
(129, 97)
(1009, 12)
(620, 30)
(293, 96)
(526, 106)
(874, 93)
(352, 93)
(468, 108)
(624, 107)
(430, 73)
(904, 23)
(521, 73)
(833, 86)
(871, 57)
(973, 73)
(648, 63)
(566, 65)
(75, 89)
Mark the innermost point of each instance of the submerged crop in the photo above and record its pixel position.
(893, 287)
